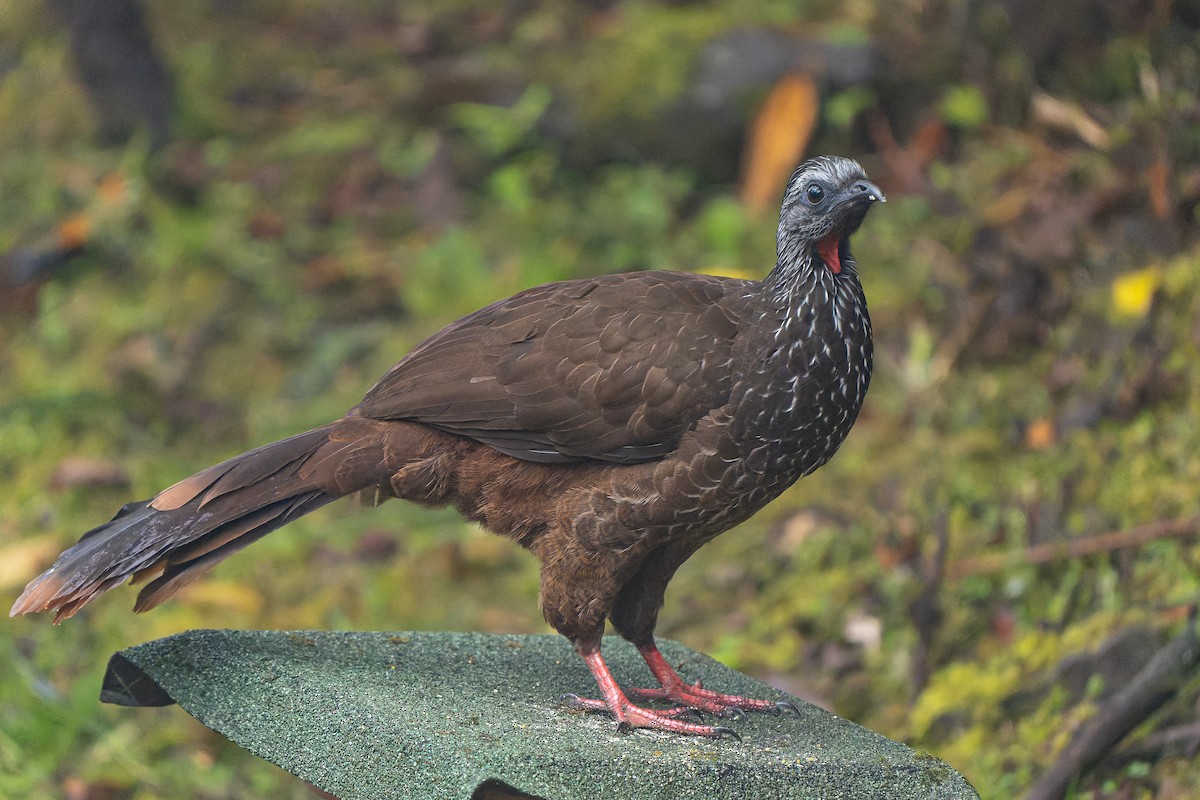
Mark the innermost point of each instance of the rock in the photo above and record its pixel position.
(461, 715)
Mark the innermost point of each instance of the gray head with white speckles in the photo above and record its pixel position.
(825, 202)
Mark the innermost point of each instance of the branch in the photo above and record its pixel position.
(1124, 711)
(926, 608)
(1180, 739)
(1076, 548)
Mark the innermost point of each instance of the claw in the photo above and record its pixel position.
(733, 712)
(783, 706)
(577, 703)
(730, 732)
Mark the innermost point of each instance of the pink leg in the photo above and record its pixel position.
(628, 715)
(675, 690)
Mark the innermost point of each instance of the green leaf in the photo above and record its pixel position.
(964, 106)
(496, 130)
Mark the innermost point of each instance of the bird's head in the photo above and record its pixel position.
(826, 200)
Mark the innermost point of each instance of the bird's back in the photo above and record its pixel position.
(613, 369)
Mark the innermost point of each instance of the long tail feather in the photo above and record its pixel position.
(188, 528)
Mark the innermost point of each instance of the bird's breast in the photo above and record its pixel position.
(793, 401)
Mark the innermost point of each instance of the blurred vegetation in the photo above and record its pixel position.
(345, 178)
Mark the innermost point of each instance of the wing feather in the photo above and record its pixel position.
(615, 368)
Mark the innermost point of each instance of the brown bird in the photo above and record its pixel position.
(610, 425)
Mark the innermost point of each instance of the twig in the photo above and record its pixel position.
(1125, 710)
(1076, 548)
(926, 609)
(1178, 739)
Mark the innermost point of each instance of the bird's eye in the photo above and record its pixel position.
(814, 193)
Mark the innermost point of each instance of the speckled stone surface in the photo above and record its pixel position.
(437, 715)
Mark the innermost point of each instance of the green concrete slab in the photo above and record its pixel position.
(452, 716)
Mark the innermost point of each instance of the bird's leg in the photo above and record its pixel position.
(675, 690)
(628, 715)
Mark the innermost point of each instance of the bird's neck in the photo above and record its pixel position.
(808, 368)
(810, 299)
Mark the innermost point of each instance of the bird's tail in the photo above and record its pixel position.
(185, 530)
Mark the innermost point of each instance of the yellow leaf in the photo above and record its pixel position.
(23, 560)
(1132, 292)
(726, 271)
(781, 131)
(227, 595)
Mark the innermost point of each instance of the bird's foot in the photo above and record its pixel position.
(723, 705)
(675, 690)
(630, 716)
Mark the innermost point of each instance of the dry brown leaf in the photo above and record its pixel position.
(75, 788)
(1176, 614)
(1008, 207)
(112, 188)
(1040, 434)
(73, 232)
(89, 473)
(1157, 175)
(1068, 118)
(782, 129)
(929, 141)
(266, 224)
(888, 556)
(1003, 624)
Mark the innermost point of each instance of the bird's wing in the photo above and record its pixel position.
(613, 368)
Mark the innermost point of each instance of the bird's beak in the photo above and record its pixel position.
(867, 190)
(856, 198)
(852, 205)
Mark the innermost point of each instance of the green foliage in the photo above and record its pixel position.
(497, 130)
(843, 108)
(637, 68)
(964, 106)
(294, 272)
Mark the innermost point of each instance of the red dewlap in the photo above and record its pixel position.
(827, 249)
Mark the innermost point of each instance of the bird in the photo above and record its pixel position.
(611, 425)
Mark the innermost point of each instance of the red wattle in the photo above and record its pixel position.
(827, 249)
